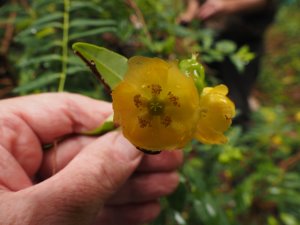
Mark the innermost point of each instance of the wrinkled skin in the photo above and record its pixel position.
(96, 178)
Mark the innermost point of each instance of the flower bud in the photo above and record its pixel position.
(216, 113)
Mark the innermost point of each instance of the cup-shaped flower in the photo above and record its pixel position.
(216, 113)
(156, 105)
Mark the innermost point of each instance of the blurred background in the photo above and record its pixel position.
(252, 180)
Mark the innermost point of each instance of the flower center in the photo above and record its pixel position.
(156, 107)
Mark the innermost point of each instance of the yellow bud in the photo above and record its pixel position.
(216, 113)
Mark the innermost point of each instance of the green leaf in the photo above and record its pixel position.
(77, 5)
(105, 64)
(242, 57)
(55, 16)
(87, 33)
(226, 46)
(37, 83)
(91, 22)
(40, 59)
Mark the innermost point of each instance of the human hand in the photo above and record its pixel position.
(101, 180)
(211, 8)
(189, 14)
(215, 8)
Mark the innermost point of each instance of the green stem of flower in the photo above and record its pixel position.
(65, 41)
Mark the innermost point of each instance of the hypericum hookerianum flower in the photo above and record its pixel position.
(156, 105)
(216, 113)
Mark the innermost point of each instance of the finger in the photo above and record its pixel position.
(18, 139)
(56, 158)
(166, 161)
(81, 188)
(12, 175)
(133, 214)
(53, 115)
(146, 187)
(26, 122)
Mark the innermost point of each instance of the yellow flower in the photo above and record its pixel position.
(216, 113)
(156, 104)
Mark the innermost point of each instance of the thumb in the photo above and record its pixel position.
(95, 174)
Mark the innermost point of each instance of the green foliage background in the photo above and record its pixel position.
(255, 178)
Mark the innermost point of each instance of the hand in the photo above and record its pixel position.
(211, 8)
(189, 14)
(215, 8)
(101, 180)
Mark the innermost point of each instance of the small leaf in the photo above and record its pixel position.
(226, 46)
(107, 65)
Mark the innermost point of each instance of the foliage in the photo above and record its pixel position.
(45, 30)
(254, 179)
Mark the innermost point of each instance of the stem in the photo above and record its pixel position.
(63, 74)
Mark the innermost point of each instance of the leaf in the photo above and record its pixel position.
(76, 70)
(107, 65)
(91, 22)
(77, 5)
(48, 46)
(37, 83)
(100, 30)
(226, 46)
(242, 57)
(55, 16)
(32, 30)
(40, 59)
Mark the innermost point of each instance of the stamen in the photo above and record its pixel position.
(166, 121)
(144, 122)
(174, 99)
(155, 89)
(137, 99)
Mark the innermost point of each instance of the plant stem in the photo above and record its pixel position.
(64, 46)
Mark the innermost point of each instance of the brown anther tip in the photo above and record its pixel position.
(149, 152)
